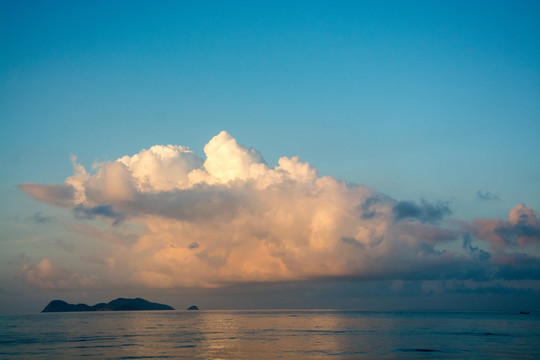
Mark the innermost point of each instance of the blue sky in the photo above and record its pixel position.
(423, 101)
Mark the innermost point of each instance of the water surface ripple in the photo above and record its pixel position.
(279, 334)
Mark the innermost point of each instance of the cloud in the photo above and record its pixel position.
(40, 219)
(60, 195)
(475, 252)
(105, 211)
(109, 236)
(521, 228)
(48, 277)
(425, 212)
(232, 219)
(486, 195)
(161, 168)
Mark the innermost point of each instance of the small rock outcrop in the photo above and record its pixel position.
(119, 304)
(193, 307)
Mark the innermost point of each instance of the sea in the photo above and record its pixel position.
(271, 334)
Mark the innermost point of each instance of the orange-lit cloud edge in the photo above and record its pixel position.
(170, 220)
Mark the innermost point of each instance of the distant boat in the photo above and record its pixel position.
(524, 312)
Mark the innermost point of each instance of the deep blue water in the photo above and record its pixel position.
(280, 334)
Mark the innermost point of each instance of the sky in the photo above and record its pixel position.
(270, 154)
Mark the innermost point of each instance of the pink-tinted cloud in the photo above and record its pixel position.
(60, 195)
(45, 276)
(521, 228)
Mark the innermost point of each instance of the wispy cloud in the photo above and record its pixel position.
(234, 219)
(39, 218)
(475, 252)
(105, 211)
(425, 211)
(486, 195)
(55, 194)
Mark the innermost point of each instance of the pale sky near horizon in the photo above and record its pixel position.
(428, 111)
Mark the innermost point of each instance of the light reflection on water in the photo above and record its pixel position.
(248, 335)
(269, 335)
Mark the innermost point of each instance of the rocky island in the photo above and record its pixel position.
(119, 304)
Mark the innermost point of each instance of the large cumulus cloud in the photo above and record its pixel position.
(231, 218)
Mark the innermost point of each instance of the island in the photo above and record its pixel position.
(119, 304)
(193, 307)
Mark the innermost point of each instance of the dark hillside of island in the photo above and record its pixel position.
(119, 304)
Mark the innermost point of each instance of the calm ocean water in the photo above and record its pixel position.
(280, 334)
